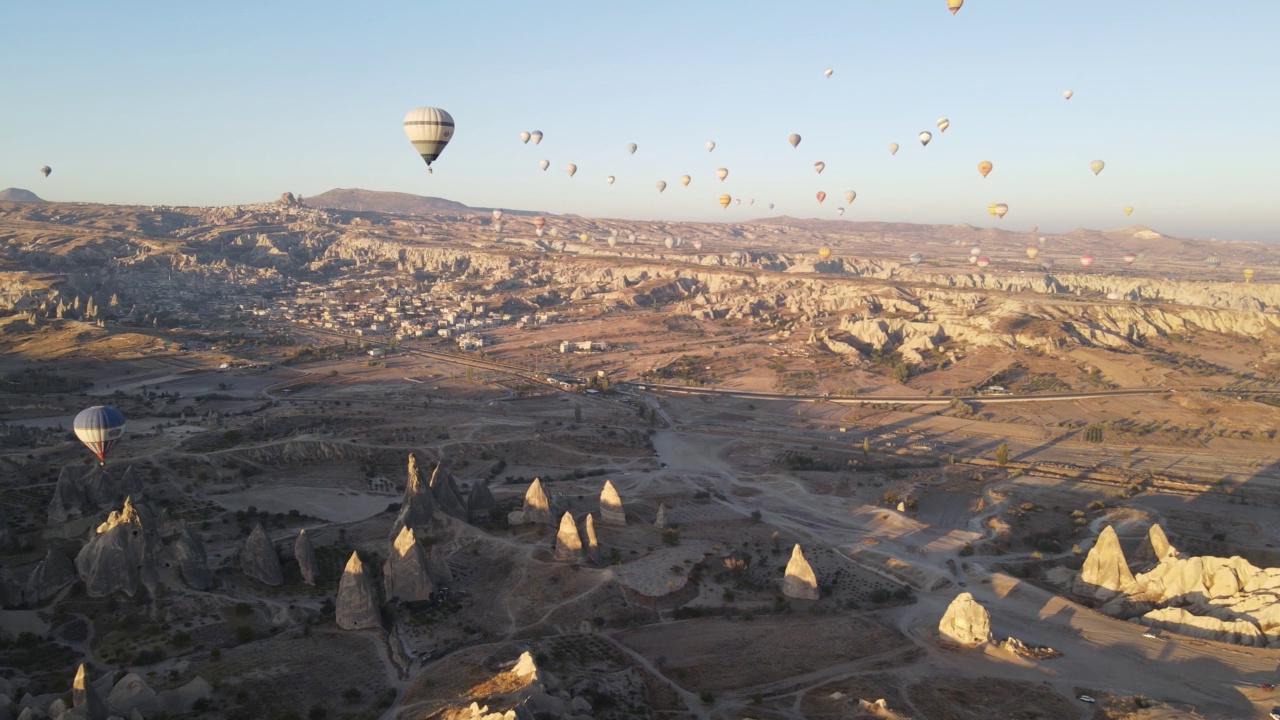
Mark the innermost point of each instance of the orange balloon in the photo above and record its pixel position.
(985, 167)
(821, 196)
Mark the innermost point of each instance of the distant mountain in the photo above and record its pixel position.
(19, 195)
(359, 200)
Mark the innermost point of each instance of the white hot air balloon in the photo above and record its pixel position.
(840, 211)
(685, 180)
(850, 196)
(710, 145)
(524, 137)
(571, 169)
(794, 139)
(819, 166)
(662, 185)
(497, 215)
(828, 72)
(1096, 166)
(925, 137)
(893, 148)
(1066, 94)
(632, 147)
(669, 242)
(429, 129)
(770, 206)
(609, 180)
(537, 136)
(544, 164)
(943, 124)
(722, 173)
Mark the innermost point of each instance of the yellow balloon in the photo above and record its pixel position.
(991, 209)
(725, 200)
(1128, 210)
(985, 167)
(824, 253)
(954, 5)
(1248, 274)
(583, 237)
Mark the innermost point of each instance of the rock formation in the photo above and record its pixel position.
(438, 568)
(132, 694)
(77, 488)
(592, 548)
(480, 502)
(799, 582)
(537, 508)
(259, 559)
(305, 554)
(445, 492)
(661, 520)
(405, 575)
(611, 511)
(1105, 573)
(1155, 549)
(85, 698)
(568, 543)
(49, 577)
(965, 623)
(120, 555)
(357, 601)
(68, 497)
(186, 550)
(4, 528)
(418, 505)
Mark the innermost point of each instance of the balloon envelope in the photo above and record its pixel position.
(710, 145)
(537, 136)
(538, 222)
(571, 169)
(943, 124)
(819, 166)
(722, 173)
(632, 147)
(1032, 251)
(524, 137)
(982, 261)
(1096, 166)
(1128, 210)
(839, 211)
(916, 258)
(828, 72)
(609, 180)
(893, 148)
(725, 200)
(821, 196)
(1001, 209)
(1066, 94)
(46, 170)
(1086, 259)
(544, 164)
(794, 139)
(985, 167)
(1129, 258)
(429, 129)
(685, 180)
(850, 196)
(99, 427)
(925, 137)
(954, 5)
(662, 185)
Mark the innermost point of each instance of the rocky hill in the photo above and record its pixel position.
(19, 195)
(358, 200)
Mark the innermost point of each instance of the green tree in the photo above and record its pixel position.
(1002, 454)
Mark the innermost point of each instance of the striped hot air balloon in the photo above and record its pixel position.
(99, 427)
(430, 130)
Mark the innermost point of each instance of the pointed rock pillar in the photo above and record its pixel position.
(357, 602)
(568, 543)
(405, 575)
(259, 560)
(799, 582)
(305, 553)
(537, 508)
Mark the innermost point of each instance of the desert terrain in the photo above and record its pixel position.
(387, 461)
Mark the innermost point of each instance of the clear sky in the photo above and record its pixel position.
(183, 102)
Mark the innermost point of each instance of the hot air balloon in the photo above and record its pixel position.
(497, 215)
(1129, 258)
(1046, 263)
(524, 137)
(752, 201)
(828, 72)
(824, 252)
(537, 136)
(1034, 228)
(1043, 240)
(430, 130)
(544, 164)
(685, 180)
(1096, 166)
(1248, 274)
(612, 241)
(584, 237)
(893, 148)
(697, 244)
(840, 211)
(725, 200)
(46, 170)
(1086, 260)
(669, 242)
(1001, 209)
(850, 196)
(925, 137)
(794, 139)
(632, 147)
(710, 145)
(737, 202)
(1113, 295)
(991, 209)
(1032, 252)
(954, 5)
(985, 167)
(1128, 209)
(770, 206)
(99, 427)
(973, 259)
(539, 221)
(610, 179)
(982, 261)
(571, 169)
(1213, 261)
(975, 251)
(819, 166)
(1066, 94)
(916, 258)
(662, 185)
(821, 196)
(722, 173)
(943, 124)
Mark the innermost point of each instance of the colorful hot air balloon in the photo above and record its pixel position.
(893, 148)
(1213, 261)
(429, 130)
(662, 185)
(828, 72)
(1032, 252)
(1128, 209)
(985, 167)
(983, 261)
(710, 145)
(1248, 274)
(821, 196)
(1066, 94)
(1096, 166)
(824, 252)
(794, 139)
(697, 244)
(819, 166)
(524, 137)
(915, 258)
(1001, 209)
(571, 169)
(1086, 260)
(45, 170)
(1129, 258)
(850, 196)
(537, 136)
(544, 164)
(925, 137)
(609, 180)
(632, 147)
(991, 209)
(943, 124)
(954, 5)
(539, 221)
(722, 173)
(99, 427)
(685, 180)
(725, 200)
